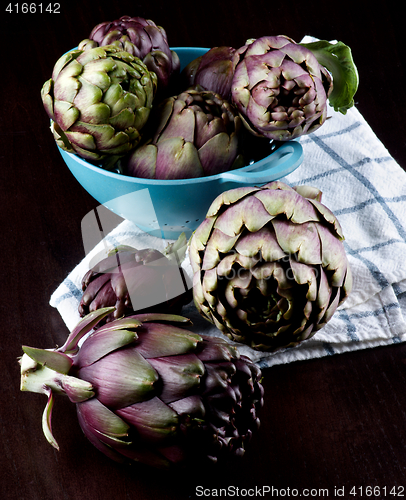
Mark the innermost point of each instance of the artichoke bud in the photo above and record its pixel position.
(279, 88)
(269, 264)
(193, 134)
(99, 99)
(212, 71)
(143, 39)
(147, 389)
(135, 280)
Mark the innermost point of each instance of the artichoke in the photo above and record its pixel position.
(147, 390)
(269, 265)
(98, 101)
(141, 38)
(279, 88)
(212, 71)
(194, 134)
(134, 280)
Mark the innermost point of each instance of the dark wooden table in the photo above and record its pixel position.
(330, 424)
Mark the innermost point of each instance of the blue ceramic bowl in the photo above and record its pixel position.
(166, 208)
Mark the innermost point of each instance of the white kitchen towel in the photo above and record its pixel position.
(366, 189)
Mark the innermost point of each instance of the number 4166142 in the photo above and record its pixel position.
(33, 8)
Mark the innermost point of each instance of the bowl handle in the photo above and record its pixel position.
(286, 159)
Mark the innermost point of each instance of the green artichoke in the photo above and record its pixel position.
(134, 280)
(194, 134)
(269, 265)
(98, 101)
(149, 391)
(279, 88)
(141, 38)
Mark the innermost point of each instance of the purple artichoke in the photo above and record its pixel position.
(134, 280)
(279, 88)
(141, 38)
(212, 71)
(149, 391)
(270, 268)
(191, 135)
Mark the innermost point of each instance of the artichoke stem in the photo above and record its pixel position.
(38, 378)
(41, 379)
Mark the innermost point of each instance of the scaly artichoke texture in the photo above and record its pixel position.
(194, 134)
(98, 101)
(212, 71)
(141, 38)
(147, 390)
(279, 88)
(269, 265)
(134, 280)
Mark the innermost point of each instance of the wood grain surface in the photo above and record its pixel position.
(330, 424)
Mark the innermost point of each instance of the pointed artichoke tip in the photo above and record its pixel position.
(163, 317)
(54, 444)
(84, 326)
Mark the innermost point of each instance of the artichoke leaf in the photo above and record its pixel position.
(210, 284)
(162, 317)
(122, 378)
(218, 153)
(309, 192)
(201, 235)
(302, 240)
(157, 340)
(329, 217)
(98, 112)
(77, 390)
(87, 95)
(181, 124)
(177, 158)
(337, 58)
(219, 243)
(94, 436)
(88, 154)
(347, 286)
(82, 141)
(179, 375)
(263, 241)
(229, 198)
(84, 326)
(141, 115)
(112, 95)
(97, 72)
(54, 360)
(63, 61)
(249, 212)
(177, 249)
(123, 119)
(99, 416)
(66, 114)
(47, 421)
(334, 257)
(324, 295)
(47, 99)
(102, 53)
(153, 419)
(292, 204)
(305, 274)
(103, 342)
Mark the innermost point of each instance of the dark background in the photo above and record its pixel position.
(329, 423)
